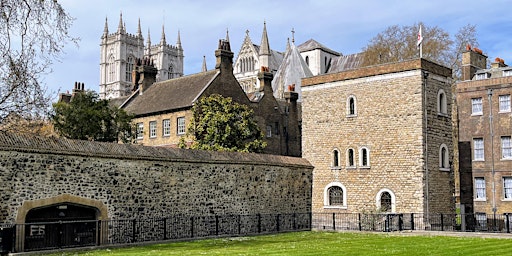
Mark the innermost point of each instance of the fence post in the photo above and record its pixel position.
(294, 221)
(259, 223)
(360, 225)
(134, 226)
(442, 222)
(400, 221)
(192, 226)
(507, 222)
(98, 232)
(278, 220)
(216, 225)
(165, 228)
(333, 221)
(412, 221)
(239, 224)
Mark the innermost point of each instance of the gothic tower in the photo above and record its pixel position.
(120, 50)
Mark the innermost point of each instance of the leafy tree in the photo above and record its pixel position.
(399, 43)
(86, 117)
(220, 124)
(33, 35)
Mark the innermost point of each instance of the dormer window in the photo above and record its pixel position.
(482, 76)
(507, 72)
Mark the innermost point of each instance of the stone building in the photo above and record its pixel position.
(380, 138)
(484, 135)
(120, 50)
(163, 109)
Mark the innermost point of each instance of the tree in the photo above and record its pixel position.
(33, 34)
(220, 124)
(86, 117)
(399, 43)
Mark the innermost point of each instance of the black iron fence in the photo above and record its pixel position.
(413, 221)
(66, 234)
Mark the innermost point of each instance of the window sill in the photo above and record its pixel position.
(335, 167)
(351, 167)
(506, 159)
(477, 114)
(504, 112)
(506, 199)
(478, 160)
(335, 207)
(442, 114)
(166, 135)
(364, 167)
(480, 200)
(444, 169)
(352, 116)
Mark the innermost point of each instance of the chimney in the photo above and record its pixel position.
(265, 78)
(472, 61)
(224, 55)
(293, 145)
(143, 75)
(498, 63)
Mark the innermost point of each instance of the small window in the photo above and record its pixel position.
(180, 125)
(444, 163)
(481, 220)
(476, 106)
(507, 187)
(364, 159)
(351, 106)
(307, 60)
(506, 148)
(480, 188)
(335, 195)
(335, 158)
(166, 124)
(442, 106)
(269, 131)
(350, 158)
(482, 76)
(507, 72)
(385, 200)
(478, 149)
(504, 103)
(276, 128)
(152, 129)
(140, 131)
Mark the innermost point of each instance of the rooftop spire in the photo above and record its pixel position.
(139, 31)
(227, 35)
(178, 41)
(162, 40)
(287, 44)
(293, 35)
(204, 69)
(105, 30)
(148, 44)
(120, 26)
(264, 47)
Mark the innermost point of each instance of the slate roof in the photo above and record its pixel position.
(346, 62)
(275, 57)
(171, 94)
(311, 44)
(292, 70)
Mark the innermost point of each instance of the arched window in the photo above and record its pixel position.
(386, 200)
(170, 73)
(364, 157)
(350, 158)
(335, 195)
(442, 107)
(129, 68)
(351, 106)
(444, 162)
(307, 60)
(111, 68)
(335, 158)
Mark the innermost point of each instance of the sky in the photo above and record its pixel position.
(341, 25)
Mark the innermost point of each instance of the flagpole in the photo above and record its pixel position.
(420, 42)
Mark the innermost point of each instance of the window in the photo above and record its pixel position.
(166, 124)
(442, 106)
(507, 72)
(476, 106)
(481, 218)
(480, 189)
(152, 129)
(506, 148)
(335, 158)
(111, 68)
(269, 131)
(129, 69)
(350, 158)
(276, 128)
(351, 106)
(307, 60)
(478, 149)
(140, 131)
(170, 73)
(335, 195)
(181, 125)
(364, 157)
(444, 163)
(482, 76)
(385, 200)
(504, 103)
(507, 187)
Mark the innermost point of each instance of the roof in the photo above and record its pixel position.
(311, 44)
(275, 57)
(292, 70)
(346, 62)
(170, 94)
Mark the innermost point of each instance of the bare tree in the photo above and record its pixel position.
(32, 35)
(398, 43)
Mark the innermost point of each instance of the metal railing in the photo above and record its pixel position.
(66, 234)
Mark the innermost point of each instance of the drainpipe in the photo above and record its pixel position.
(489, 94)
(425, 76)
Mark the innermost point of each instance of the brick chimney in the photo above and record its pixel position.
(498, 63)
(265, 78)
(224, 57)
(293, 140)
(143, 75)
(472, 61)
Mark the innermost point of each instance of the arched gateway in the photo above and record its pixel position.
(64, 221)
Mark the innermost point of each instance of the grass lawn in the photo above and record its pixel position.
(321, 243)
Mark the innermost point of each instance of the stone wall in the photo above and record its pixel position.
(389, 121)
(133, 181)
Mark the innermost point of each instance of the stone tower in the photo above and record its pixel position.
(120, 50)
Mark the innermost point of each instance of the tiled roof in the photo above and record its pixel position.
(170, 94)
(346, 62)
(311, 44)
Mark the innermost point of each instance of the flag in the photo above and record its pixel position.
(420, 38)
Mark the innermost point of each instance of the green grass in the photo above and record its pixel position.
(321, 243)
